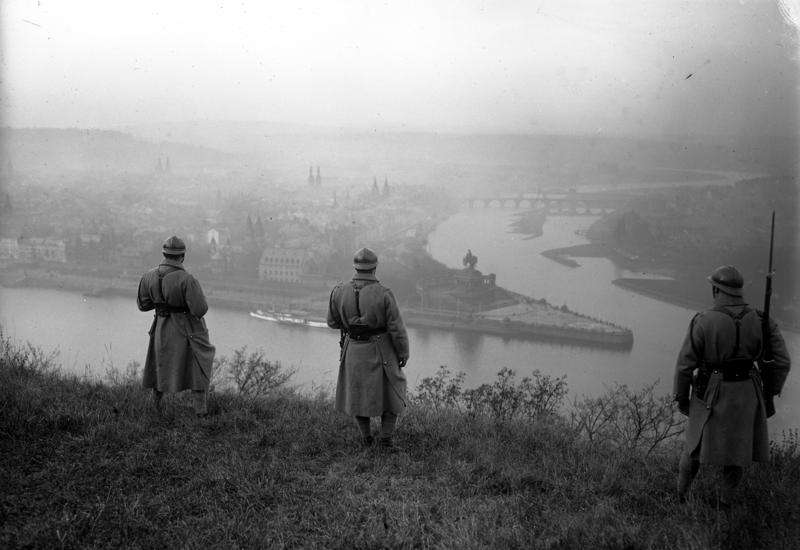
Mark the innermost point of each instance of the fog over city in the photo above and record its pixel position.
(399, 274)
(594, 160)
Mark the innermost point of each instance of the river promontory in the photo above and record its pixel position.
(665, 231)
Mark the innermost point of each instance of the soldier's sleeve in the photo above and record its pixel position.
(143, 299)
(195, 299)
(334, 319)
(395, 326)
(775, 372)
(688, 360)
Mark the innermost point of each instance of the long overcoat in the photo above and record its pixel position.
(728, 423)
(370, 378)
(179, 354)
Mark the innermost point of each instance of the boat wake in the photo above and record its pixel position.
(292, 318)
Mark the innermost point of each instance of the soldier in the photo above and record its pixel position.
(720, 389)
(179, 355)
(374, 349)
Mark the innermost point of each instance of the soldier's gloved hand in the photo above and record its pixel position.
(683, 406)
(402, 362)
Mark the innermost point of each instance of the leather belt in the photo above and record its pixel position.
(164, 310)
(365, 336)
(734, 375)
(733, 370)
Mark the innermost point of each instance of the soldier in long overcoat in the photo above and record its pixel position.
(179, 353)
(374, 350)
(720, 387)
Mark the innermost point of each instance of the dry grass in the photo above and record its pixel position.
(88, 465)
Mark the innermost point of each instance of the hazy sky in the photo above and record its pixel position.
(598, 66)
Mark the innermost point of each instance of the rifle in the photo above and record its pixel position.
(766, 354)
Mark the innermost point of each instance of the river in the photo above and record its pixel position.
(93, 334)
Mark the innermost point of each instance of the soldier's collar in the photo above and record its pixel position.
(723, 299)
(172, 263)
(364, 277)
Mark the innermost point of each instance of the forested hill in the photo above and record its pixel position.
(693, 230)
(54, 150)
(505, 163)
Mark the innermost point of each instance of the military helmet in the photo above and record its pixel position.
(174, 246)
(728, 279)
(365, 260)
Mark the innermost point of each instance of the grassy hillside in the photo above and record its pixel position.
(87, 464)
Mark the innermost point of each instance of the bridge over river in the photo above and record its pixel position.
(569, 203)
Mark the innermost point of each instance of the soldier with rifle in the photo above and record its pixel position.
(373, 350)
(732, 363)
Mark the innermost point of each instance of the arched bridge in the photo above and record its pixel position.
(572, 204)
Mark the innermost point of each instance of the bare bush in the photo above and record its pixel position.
(25, 358)
(626, 418)
(252, 375)
(786, 454)
(129, 376)
(534, 396)
(441, 391)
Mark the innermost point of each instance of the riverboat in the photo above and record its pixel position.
(290, 318)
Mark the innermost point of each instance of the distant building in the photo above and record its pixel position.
(314, 181)
(218, 237)
(282, 264)
(473, 279)
(35, 249)
(88, 247)
(136, 253)
(9, 249)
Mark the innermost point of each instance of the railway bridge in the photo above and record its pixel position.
(570, 203)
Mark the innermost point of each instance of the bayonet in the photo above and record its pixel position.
(767, 354)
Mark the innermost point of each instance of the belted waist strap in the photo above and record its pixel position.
(365, 335)
(165, 310)
(732, 370)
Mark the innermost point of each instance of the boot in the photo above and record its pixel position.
(158, 406)
(731, 476)
(366, 434)
(388, 421)
(200, 403)
(687, 470)
(684, 482)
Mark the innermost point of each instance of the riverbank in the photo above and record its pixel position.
(665, 290)
(236, 297)
(88, 465)
(665, 282)
(542, 321)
